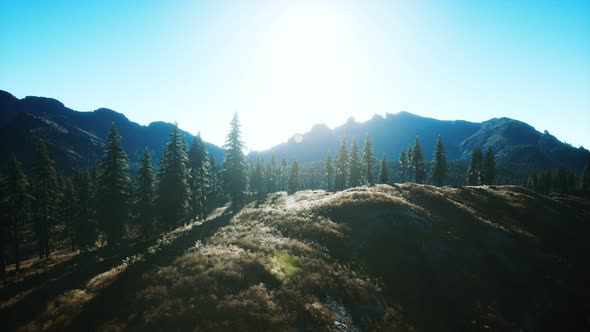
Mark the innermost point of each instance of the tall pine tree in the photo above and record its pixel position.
(44, 190)
(294, 177)
(418, 162)
(410, 157)
(113, 189)
(67, 213)
(439, 163)
(234, 165)
(173, 199)
(329, 171)
(383, 173)
(84, 227)
(403, 163)
(489, 167)
(354, 166)
(199, 177)
(475, 169)
(257, 177)
(369, 160)
(341, 166)
(282, 173)
(16, 204)
(145, 196)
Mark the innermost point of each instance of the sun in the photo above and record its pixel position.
(313, 56)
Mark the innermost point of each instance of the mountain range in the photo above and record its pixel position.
(75, 139)
(512, 141)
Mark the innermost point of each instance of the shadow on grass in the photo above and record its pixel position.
(108, 304)
(70, 274)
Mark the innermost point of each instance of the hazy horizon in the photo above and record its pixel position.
(286, 66)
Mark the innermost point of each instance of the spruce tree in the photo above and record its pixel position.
(294, 177)
(439, 163)
(44, 191)
(403, 163)
(16, 203)
(84, 227)
(234, 165)
(199, 177)
(475, 169)
(270, 175)
(383, 172)
(67, 213)
(418, 162)
(145, 195)
(173, 199)
(369, 160)
(113, 189)
(354, 166)
(257, 177)
(214, 175)
(329, 171)
(341, 166)
(410, 155)
(282, 173)
(489, 167)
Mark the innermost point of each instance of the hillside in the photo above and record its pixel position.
(514, 142)
(74, 139)
(403, 257)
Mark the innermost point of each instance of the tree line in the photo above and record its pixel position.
(104, 204)
(359, 166)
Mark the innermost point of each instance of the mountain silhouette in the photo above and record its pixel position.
(512, 141)
(75, 139)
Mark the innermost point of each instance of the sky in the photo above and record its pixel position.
(284, 66)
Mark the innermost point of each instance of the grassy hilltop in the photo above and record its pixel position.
(402, 257)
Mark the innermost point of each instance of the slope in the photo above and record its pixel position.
(403, 257)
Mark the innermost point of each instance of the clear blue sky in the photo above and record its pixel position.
(286, 65)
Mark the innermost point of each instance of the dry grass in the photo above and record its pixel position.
(398, 258)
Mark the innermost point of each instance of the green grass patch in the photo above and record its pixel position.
(283, 264)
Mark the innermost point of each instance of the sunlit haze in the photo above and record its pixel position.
(286, 65)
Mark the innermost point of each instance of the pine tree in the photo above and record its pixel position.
(234, 165)
(489, 167)
(270, 175)
(113, 189)
(532, 181)
(44, 191)
(282, 173)
(294, 177)
(84, 227)
(341, 166)
(369, 160)
(214, 175)
(410, 155)
(67, 212)
(439, 163)
(199, 177)
(329, 171)
(383, 172)
(354, 166)
(257, 177)
(16, 204)
(403, 163)
(586, 177)
(475, 169)
(173, 200)
(145, 195)
(418, 162)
